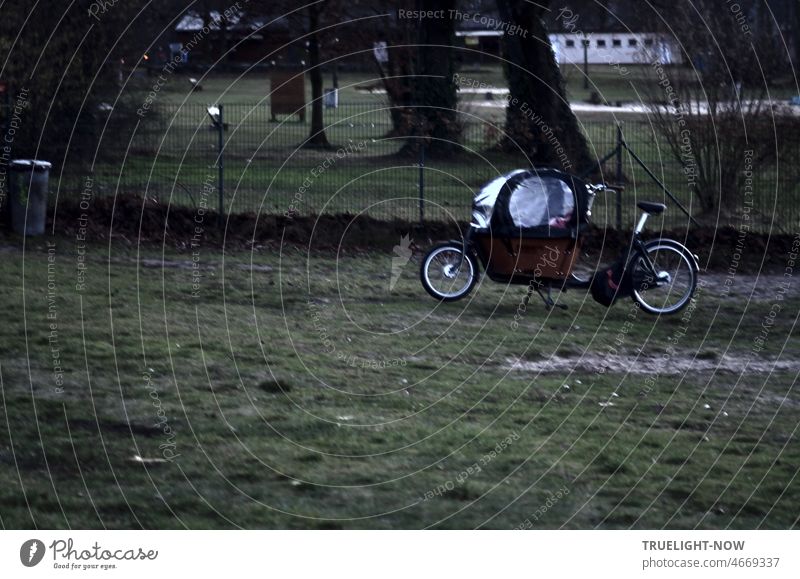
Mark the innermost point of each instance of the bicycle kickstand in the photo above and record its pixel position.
(549, 303)
(527, 299)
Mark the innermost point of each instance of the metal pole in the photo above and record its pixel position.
(586, 64)
(220, 165)
(619, 177)
(659, 182)
(422, 182)
(416, 101)
(596, 166)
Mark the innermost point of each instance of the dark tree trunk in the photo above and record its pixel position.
(539, 121)
(795, 19)
(223, 41)
(316, 137)
(397, 81)
(397, 75)
(436, 119)
(207, 49)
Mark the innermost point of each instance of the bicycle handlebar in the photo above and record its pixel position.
(604, 187)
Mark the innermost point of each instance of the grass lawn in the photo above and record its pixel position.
(281, 388)
(628, 84)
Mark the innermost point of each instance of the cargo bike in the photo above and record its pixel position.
(527, 227)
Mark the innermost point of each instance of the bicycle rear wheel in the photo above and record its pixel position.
(670, 285)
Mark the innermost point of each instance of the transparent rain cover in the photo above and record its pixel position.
(483, 204)
(539, 201)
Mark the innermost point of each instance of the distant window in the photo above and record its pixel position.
(585, 42)
(570, 43)
(601, 44)
(632, 42)
(616, 42)
(648, 42)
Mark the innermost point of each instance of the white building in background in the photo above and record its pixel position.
(615, 47)
(603, 48)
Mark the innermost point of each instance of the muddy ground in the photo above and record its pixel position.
(132, 220)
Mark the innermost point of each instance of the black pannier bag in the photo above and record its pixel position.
(612, 282)
(609, 283)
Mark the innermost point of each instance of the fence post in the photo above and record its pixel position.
(619, 177)
(5, 194)
(422, 182)
(221, 165)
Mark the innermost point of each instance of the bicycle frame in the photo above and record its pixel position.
(638, 246)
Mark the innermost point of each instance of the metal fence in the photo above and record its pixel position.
(252, 164)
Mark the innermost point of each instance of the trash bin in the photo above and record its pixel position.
(330, 98)
(28, 195)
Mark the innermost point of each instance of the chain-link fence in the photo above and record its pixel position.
(173, 154)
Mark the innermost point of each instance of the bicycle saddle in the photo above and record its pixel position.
(651, 208)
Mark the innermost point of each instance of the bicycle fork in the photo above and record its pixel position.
(464, 248)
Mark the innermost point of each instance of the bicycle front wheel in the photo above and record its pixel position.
(668, 287)
(447, 276)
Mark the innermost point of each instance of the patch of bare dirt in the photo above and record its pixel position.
(676, 364)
